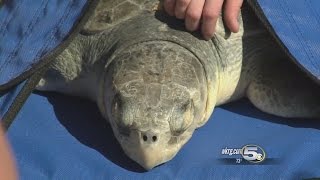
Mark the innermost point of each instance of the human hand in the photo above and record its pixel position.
(206, 10)
(8, 169)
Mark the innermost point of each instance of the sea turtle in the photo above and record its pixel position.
(156, 83)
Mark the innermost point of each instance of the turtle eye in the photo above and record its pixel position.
(116, 106)
(118, 116)
(182, 118)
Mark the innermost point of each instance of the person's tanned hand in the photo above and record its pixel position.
(206, 10)
(8, 169)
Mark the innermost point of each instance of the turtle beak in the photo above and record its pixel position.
(150, 157)
(148, 148)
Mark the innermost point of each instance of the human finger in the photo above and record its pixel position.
(181, 7)
(231, 14)
(169, 6)
(193, 14)
(210, 15)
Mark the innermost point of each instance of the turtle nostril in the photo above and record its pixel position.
(154, 138)
(148, 137)
(144, 137)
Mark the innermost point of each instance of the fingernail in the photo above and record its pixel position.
(191, 28)
(236, 27)
(208, 36)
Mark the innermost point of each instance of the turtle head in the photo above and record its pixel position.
(154, 96)
(151, 135)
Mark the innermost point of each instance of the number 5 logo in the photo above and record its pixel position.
(253, 153)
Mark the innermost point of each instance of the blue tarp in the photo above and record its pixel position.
(297, 25)
(30, 30)
(60, 137)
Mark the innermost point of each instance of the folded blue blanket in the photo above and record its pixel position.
(295, 24)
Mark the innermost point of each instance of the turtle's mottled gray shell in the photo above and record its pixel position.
(111, 12)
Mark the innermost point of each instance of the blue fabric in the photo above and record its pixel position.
(297, 24)
(7, 99)
(60, 137)
(31, 29)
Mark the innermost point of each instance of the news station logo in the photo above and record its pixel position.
(252, 154)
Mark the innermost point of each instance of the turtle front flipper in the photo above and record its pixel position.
(282, 89)
(77, 69)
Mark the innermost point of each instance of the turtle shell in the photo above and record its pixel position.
(111, 12)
